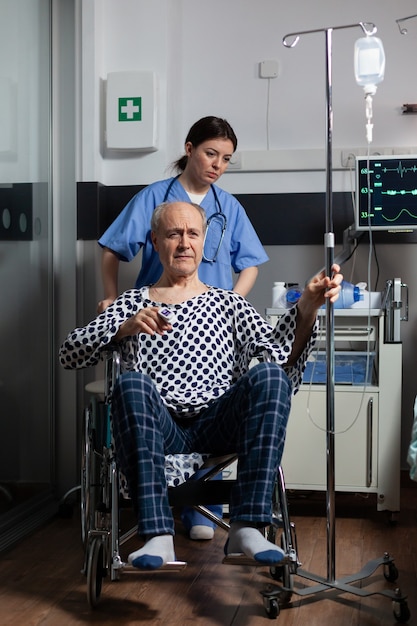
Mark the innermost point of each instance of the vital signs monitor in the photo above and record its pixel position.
(386, 193)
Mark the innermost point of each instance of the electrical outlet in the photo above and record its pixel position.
(235, 162)
(348, 158)
(348, 155)
(408, 150)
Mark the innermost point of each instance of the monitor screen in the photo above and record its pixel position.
(386, 193)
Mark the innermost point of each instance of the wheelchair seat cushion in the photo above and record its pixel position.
(178, 469)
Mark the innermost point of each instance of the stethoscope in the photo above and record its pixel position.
(217, 221)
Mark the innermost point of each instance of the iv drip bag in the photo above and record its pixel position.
(369, 62)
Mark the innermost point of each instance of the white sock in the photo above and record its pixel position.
(154, 554)
(250, 541)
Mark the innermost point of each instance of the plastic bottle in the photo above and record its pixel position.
(369, 63)
(278, 295)
(349, 294)
(293, 295)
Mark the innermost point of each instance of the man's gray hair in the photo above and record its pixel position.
(156, 215)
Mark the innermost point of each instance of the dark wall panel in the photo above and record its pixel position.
(278, 218)
(16, 212)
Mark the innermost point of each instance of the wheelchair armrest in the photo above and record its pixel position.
(112, 371)
(263, 356)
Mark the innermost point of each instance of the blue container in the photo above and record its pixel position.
(349, 294)
(350, 368)
(292, 296)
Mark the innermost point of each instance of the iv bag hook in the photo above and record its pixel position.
(403, 30)
(291, 39)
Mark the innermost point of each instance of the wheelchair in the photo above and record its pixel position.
(103, 494)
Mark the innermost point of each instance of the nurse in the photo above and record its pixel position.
(231, 242)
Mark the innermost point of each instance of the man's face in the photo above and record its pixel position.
(179, 239)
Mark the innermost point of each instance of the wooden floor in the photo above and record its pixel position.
(42, 584)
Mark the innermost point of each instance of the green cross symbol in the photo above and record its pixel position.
(130, 109)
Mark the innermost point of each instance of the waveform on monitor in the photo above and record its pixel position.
(399, 192)
(401, 170)
(397, 217)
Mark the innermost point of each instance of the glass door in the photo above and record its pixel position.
(26, 311)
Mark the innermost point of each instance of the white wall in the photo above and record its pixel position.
(206, 58)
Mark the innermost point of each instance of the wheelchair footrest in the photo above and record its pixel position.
(242, 559)
(171, 566)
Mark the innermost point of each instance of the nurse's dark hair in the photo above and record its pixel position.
(161, 208)
(207, 128)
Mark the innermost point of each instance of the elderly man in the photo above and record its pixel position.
(187, 384)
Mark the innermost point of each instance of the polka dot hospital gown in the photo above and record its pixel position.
(214, 338)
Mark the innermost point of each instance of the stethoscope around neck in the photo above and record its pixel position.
(216, 222)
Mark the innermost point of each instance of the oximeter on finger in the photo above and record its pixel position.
(167, 315)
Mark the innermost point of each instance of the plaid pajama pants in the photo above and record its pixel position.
(249, 419)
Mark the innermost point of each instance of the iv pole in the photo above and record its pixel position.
(401, 611)
(290, 41)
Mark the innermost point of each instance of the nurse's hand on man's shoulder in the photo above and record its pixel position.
(103, 304)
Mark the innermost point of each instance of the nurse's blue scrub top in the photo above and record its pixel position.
(130, 231)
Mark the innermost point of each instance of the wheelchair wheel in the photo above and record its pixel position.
(282, 574)
(87, 511)
(279, 535)
(96, 571)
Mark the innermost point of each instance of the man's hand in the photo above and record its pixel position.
(319, 289)
(146, 321)
(313, 297)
